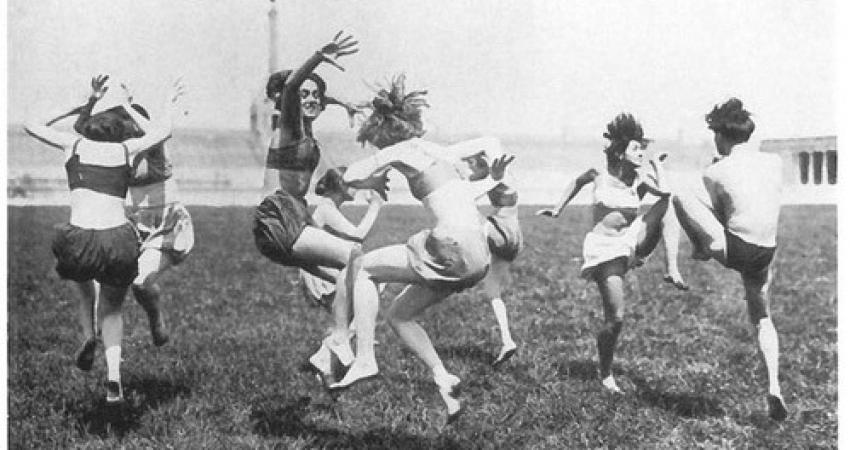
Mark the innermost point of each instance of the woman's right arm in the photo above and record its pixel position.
(569, 193)
(41, 130)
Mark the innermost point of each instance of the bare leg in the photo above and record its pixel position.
(758, 305)
(113, 329)
(387, 264)
(671, 231)
(609, 279)
(402, 314)
(649, 227)
(701, 226)
(87, 293)
(152, 263)
(493, 283)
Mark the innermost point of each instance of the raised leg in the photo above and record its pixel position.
(701, 225)
(152, 263)
(87, 300)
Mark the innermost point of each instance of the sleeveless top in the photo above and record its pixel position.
(301, 156)
(112, 181)
(150, 167)
(611, 193)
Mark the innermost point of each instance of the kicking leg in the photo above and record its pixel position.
(701, 225)
(671, 231)
(758, 306)
(493, 283)
(609, 278)
(152, 263)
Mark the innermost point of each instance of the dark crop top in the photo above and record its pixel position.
(302, 156)
(112, 181)
(150, 166)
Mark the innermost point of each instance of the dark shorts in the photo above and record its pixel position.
(278, 222)
(108, 256)
(749, 259)
(504, 237)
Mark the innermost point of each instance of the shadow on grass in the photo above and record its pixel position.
(140, 395)
(582, 370)
(684, 404)
(467, 352)
(289, 420)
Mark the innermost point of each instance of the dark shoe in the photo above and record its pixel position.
(776, 408)
(85, 355)
(504, 356)
(114, 393)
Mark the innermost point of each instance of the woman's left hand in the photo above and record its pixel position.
(337, 48)
(497, 170)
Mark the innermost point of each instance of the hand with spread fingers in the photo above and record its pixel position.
(500, 164)
(98, 86)
(338, 47)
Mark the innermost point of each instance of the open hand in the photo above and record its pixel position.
(339, 47)
(497, 169)
(379, 182)
(98, 86)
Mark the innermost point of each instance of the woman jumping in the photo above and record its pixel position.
(98, 248)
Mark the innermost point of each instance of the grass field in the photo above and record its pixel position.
(232, 377)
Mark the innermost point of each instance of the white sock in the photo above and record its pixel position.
(502, 319)
(769, 346)
(113, 363)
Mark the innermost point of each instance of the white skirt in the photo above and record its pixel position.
(599, 248)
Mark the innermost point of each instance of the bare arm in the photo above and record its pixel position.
(336, 221)
(291, 128)
(41, 129)
(569, 193)
(158, 130)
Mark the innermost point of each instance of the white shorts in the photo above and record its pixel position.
(599, 248)
(166, 228)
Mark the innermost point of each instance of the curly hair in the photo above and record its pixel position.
(620, 131)
(277, 81)
(331, 181)
(396, 115)
(731, 121)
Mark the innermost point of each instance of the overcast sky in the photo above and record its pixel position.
(551, 67)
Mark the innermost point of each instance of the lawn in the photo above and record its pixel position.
(232, 376)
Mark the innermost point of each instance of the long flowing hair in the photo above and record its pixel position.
(396, 115)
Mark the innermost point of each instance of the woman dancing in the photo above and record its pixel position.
(619, 236)
(433, 263)
(737, 224)
(98, 248)
(328, 217)
(504, 236)
(164, 224)
(283, 230)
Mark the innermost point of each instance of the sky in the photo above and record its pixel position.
(540, 68)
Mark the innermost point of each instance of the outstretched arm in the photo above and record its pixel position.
(290, 122)
(42, 130)
(569, 193)
(99, 88)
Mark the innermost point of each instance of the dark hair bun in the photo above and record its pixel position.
(624, 128)
(731, 120)
(331, 181)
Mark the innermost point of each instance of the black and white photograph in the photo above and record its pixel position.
(401, 224)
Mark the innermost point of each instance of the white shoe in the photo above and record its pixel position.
(448, 386)
(321, 360)
(341, 348)
(114, 392)
(611, 385)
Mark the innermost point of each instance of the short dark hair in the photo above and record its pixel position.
(620, 131)
(277, 81)
(731, 121)
(396, 115)
(113, 125)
